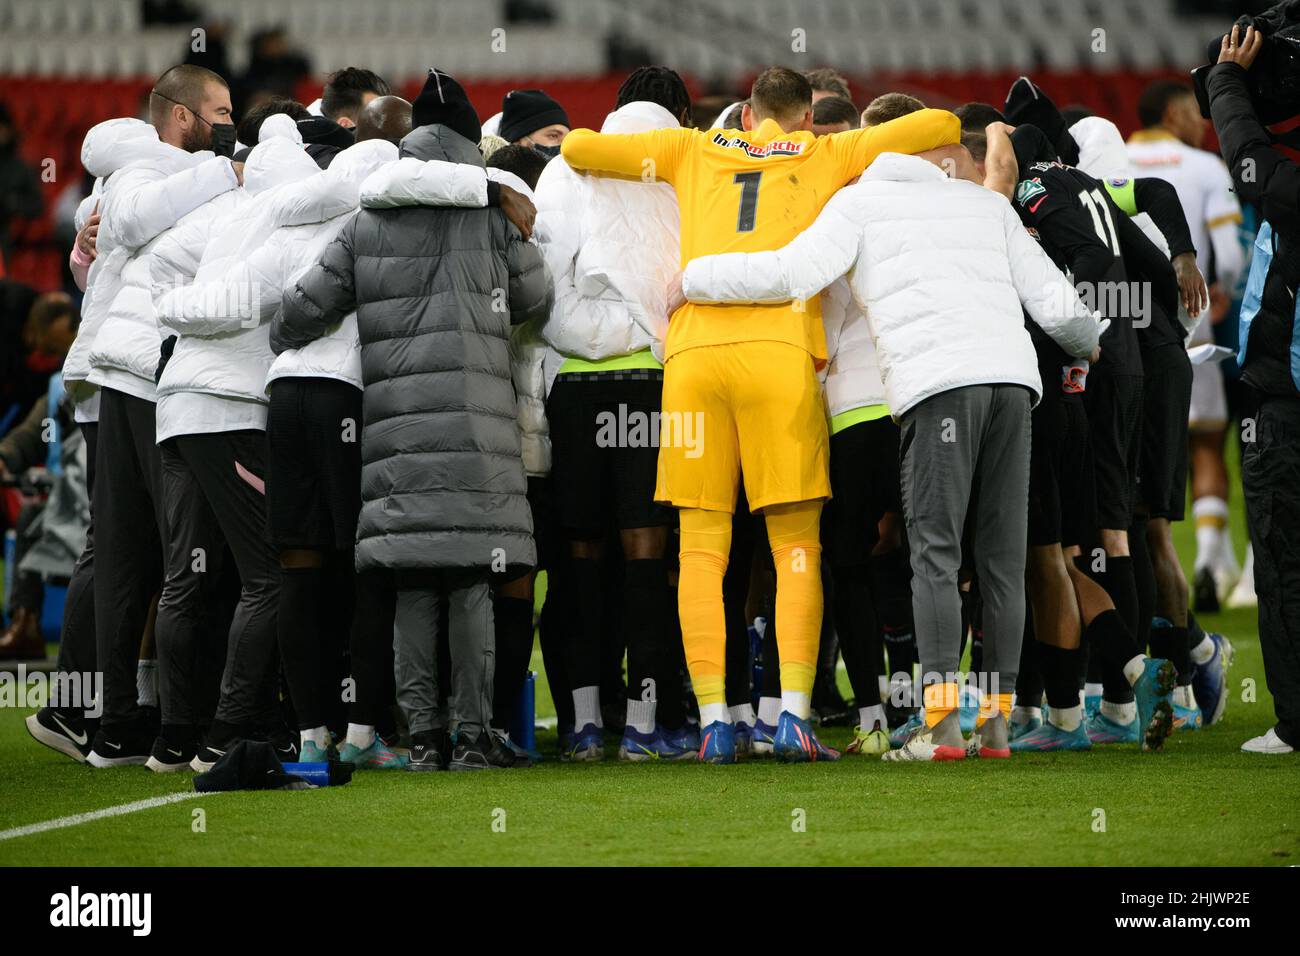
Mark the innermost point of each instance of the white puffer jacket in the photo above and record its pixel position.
(852, 372)
(109, 147)
(376, 175)
(291, 250)
(142, 202)
(611, 247)
(222, 319)
(941, 267)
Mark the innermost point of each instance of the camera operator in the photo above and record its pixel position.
(1270, 464)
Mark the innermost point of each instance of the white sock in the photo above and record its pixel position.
(711, 713)
(1183, 697)
(319, 736)
(871, 717)
(1066, 718)
(1211, 535)
(1092, 690)
(146, 683)
(769, 710)
(586, 707)
(1120, 713)
(1023, 715)
(742, 714)
(797, 703)
(1135, 668)
(360, 735)
(1203, 651)
(641, 715)
(1207, 546)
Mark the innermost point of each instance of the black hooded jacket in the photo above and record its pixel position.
(1079, 226)
(1265, 177)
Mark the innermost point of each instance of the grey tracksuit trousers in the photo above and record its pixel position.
(965, 466)
(212, 496)
(472, 646)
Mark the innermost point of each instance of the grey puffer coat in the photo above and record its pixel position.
(436, 290)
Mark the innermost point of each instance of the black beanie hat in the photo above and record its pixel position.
(444, 102)
(324, 131)
(1026, 103)
(527, 111)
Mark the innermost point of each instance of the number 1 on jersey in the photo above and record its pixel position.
(748, 183)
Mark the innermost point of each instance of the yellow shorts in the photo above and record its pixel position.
(751, 407)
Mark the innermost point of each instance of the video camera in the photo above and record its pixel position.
(1274, 79)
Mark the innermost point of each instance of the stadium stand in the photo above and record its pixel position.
(66, 64)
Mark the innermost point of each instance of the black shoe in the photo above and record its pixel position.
(484, 753)
(429, 751)
(1205, 594)
(172, 755)
(124, 745)
(209, 752)
(66, 731)
(280, 737)
(285, 744)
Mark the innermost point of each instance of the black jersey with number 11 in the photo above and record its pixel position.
(1074, 218)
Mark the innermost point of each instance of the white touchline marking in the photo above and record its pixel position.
(117, 811)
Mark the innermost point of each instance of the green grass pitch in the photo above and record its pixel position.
(1202, 802)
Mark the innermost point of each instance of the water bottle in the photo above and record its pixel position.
(331, 773)
(523, 727)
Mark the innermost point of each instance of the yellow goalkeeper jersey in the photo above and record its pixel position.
(747, 192)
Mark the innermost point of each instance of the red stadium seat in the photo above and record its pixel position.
(52, 116)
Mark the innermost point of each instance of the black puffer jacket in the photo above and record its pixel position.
(436, 291)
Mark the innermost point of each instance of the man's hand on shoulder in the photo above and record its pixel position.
(519, 209)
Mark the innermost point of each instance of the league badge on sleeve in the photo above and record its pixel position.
(1029, 189)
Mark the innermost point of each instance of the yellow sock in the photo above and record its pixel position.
(794, 533)
(993, 704)
(940, 701)
(706, 544)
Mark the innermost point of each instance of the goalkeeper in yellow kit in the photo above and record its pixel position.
(740, 385)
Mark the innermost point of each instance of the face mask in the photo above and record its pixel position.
(222, 140)
(549, 152)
